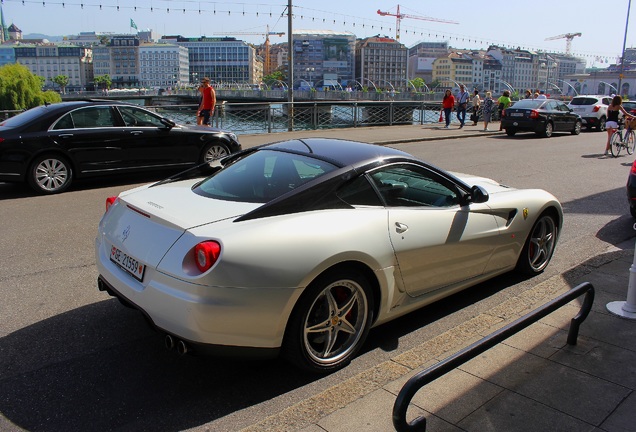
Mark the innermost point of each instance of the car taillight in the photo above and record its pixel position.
(633, 170)
(206, 254)
(596, 108)
(534, 114)
(109, 202)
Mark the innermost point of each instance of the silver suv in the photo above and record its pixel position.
(592, 109)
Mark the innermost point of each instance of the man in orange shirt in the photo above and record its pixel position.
(208, 102)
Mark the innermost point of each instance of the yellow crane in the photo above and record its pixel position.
(568, 37)
(267, 67)
(399, 16)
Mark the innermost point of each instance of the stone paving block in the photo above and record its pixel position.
(452, 396)
(539, 339)
(568, 390)
(624, 418)
(513, 412)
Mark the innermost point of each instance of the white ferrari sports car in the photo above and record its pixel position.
(299, 247)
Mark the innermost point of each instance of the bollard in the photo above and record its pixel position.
(627, 309)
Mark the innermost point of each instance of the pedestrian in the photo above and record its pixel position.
(613, 111)
(528, 94)
(447, 105)
(542, 95)
(476, 104)
(462, 104)
(208, 102)
(504, 102)
(488, 108)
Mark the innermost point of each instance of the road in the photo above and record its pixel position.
(72, 358)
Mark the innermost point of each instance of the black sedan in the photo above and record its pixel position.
(51, 145)
(631, 190)
(541, 116)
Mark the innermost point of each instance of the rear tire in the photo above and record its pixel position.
(601, 125)
(511, 132)
(50, 174)
(539, 247)
(615, 144)
(330, 322)
(577, 128)
(547, 130)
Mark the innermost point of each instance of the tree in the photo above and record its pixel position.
(418, 83)
(274, 77)
(62, 81)
(20, 89)
(104, 81)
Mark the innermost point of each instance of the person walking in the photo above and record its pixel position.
(613, 111)
(208, 102)
(476, 105)
(489, 104)
(528, 94)
(462, 105)
(448, 102)
(504, 102)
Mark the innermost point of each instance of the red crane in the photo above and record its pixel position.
(398, 17)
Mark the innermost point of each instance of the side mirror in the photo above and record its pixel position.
(478, 194)
(167, 123)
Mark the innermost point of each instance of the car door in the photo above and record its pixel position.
(437, 241)
(91, 137)
(149, 142)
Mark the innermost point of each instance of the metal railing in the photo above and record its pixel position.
(418, 381)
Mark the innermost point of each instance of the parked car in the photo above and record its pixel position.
(592, 109)
(630, 107)
(541, 116)
(51, 145)
(631, 190)
(300, 247)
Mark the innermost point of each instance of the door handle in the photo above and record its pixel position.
(400, 227)
(136, 132)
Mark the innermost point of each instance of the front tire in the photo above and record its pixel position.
(50, 174)
(539, 247)
(630, 142)
(330, 322)
(214, 151)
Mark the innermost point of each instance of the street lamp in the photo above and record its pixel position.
(310, 72)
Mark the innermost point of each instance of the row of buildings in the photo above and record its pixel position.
(321, 59)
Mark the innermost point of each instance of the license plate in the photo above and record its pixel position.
(516, 114)
(127, 263)
(579, 109)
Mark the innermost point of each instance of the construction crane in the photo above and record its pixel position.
(399, 16)
(569, 37)
(268, 65)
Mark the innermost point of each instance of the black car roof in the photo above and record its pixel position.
(338, 151)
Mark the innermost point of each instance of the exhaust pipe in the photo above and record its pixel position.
(182, 348)
(169, 342)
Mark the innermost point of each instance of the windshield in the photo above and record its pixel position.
(262, 176)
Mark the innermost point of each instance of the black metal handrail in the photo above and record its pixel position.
(418, 381)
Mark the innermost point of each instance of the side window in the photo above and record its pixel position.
(412, 186)
(90, 117)
(65, 122)
(135, 117)
(359, 192)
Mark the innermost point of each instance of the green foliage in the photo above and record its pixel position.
(103, 81)
(61, 80)
(418, 83)
(274, 77)
(21, 90)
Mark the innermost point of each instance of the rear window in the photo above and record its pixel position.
(25, 117)
(529, 103)
(262, 176)
(584, 101)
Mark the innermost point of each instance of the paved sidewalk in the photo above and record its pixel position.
(533, 381)
(378, 134)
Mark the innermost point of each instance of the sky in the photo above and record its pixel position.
(464, 24)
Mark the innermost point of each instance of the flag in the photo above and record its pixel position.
(133, 25)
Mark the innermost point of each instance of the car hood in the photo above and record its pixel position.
(490, 185)
(177, 205)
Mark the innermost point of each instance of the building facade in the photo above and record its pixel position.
(382, 61)
(51, 60)
(163, 65)
(119, 59)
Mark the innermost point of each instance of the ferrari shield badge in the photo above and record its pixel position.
(525, 213)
